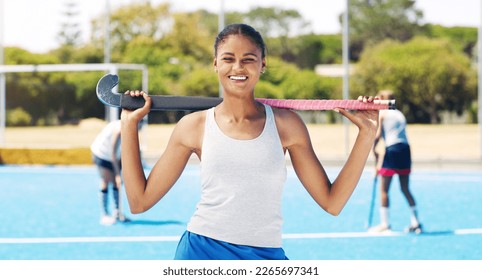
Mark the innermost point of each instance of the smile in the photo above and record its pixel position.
(238, 78)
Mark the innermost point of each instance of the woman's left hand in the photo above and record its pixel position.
(363, 119)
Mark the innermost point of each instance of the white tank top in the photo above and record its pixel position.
(242, 184)
(393, 127)
(102, 145)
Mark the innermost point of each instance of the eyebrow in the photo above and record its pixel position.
(246, 54)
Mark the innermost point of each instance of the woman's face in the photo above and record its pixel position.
(238, 64)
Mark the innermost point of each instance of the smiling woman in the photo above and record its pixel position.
(242, 145)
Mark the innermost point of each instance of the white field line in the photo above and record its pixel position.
(39, 240)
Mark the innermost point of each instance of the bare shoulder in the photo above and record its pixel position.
(192, 120)
(189, 130)
(290, 126)
(287, 119)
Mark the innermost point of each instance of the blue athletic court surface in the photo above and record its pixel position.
(52, 213)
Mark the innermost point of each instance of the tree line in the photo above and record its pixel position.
(429, 67)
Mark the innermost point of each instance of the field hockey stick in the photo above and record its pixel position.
(195, 103)
(372, 202)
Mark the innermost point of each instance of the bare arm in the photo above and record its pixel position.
(144, 193)
(332, 197)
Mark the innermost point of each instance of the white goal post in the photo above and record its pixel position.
(112, 68)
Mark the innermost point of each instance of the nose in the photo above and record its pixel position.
(238, 65)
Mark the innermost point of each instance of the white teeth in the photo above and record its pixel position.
(238, 78)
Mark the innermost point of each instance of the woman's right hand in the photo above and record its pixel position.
(136, 115)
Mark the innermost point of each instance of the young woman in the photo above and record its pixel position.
(397, 160)
(241, 144)
(106, 156)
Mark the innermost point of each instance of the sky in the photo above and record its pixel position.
(34, 25)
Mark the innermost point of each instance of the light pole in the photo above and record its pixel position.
(3, 98)
(220, 28)
(479, 83)
(111, 113)
(346, 67)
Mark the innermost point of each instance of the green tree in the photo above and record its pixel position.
(46, 97)
(280, 24)
(332, 49)
(311, 50)
(188, 38)
(372, 21)
(463, 38)
(201, 82)
(276, 22)
(18, 117)
(427, 75)
(131, 21)
(69, 34)
(210, 21)
(292, 83)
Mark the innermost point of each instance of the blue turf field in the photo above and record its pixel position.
(52, 213)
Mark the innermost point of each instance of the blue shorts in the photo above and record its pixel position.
(197, 247)
(397, 160)
(103, 163)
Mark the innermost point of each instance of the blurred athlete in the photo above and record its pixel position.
(396, 161)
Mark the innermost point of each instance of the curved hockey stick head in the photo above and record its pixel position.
(105, 93)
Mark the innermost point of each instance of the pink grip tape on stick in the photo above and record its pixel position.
(328, 104)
